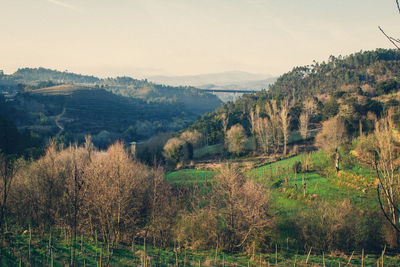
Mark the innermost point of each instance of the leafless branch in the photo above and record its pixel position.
(394, 41)
(384, 212)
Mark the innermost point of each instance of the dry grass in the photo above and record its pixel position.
(64, 89)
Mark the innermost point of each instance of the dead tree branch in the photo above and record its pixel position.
(394, 41)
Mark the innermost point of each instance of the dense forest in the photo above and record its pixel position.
(305, 173)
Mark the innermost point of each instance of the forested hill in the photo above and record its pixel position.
(361, 70)
(35, 75)
(193, 99)
(47, 103)
(351, 86)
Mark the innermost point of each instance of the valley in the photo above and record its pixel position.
(304, 173)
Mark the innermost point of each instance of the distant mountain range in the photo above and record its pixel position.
(234, 80)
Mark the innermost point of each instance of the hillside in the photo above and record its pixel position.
(97, 112)
(358, 71)
(194, 100)
(349, 86)
(70, 106)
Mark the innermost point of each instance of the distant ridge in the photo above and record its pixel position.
(213, 79)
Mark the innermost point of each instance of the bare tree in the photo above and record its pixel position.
(382, 151)
(264, 130)
(163, 207)
(46, 185)
(309, 107)
(261, 130)
(332, 134)
(236, 139)
(77, 160)
(112, 182)
(285, 121)
(192, 137)
(7, 172)
(275, 123)
(224, 122)
(243, 205)
(394, 41)
(253, 117)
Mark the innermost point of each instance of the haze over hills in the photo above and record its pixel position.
(235, 80)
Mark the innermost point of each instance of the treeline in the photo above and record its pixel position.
(28, 75)
(88, 192)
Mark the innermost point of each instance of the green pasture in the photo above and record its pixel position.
(190, 177)
(55, 250)
(287, 187)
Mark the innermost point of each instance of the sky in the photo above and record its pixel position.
(142, 38)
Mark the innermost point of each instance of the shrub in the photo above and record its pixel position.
(348, 162)
(297, 167)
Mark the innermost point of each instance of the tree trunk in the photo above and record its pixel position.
(337, 160)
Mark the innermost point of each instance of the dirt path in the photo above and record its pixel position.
(57, 121)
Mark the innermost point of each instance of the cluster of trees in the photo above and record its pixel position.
(235, 215)
(180, 149)
(272, 130)
(110, 197)
(380, 151)
(83, 191)
(353, 71)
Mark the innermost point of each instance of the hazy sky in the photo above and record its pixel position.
(180, 37)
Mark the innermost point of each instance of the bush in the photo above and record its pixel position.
(348, 162)
(339, 226)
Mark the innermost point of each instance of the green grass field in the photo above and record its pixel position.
(190, 176)
(43, 250)
(288, 196)
(287, 187)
